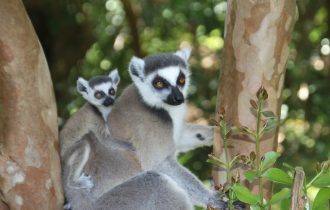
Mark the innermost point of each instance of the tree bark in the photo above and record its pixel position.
(256, 50)
(29, 149)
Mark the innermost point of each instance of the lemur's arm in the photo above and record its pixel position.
(194, 136)
(198, 193)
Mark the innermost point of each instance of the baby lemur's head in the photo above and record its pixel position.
(162, 79)
(100, 91)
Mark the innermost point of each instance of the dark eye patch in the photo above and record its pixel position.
(112, 91)
(99, 94)
(158, 80)
(181, 79)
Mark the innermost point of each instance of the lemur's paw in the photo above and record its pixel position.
(86, 181)
(205, 135)
(217, 203)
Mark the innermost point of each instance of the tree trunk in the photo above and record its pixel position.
(256, 50)
(29, 149)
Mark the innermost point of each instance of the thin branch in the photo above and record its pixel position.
(132, 20)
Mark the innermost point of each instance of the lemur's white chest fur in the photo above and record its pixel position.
(105, 111)
(177, 115)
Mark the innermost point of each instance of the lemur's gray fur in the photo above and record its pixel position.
(142, 172)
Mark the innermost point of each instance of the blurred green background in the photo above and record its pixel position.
(90, 37)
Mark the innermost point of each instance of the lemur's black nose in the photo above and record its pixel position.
(176, 97)
(179, 98)
(108, 101)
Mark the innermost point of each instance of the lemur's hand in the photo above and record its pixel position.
(86, 182)
(217, 202)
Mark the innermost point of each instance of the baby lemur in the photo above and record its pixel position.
(99, 92)
(141, 171)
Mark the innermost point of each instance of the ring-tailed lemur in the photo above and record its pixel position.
(152, 120)
(100, 92)
(148, 116)
(76, 144)
(113, 167)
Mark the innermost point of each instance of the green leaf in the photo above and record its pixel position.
(244, 195)
(270, 125)
(268, 114)
(283, 194)
(255, 207)
(321, 200)
(217, 162)
(322, 181)
(278, 176)
(250, 175)
(285, 204)
(270, 159)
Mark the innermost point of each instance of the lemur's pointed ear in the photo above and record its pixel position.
(114, 75)
(184, 54)
(82, 86)
(136, 68)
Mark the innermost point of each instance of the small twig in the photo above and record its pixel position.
(297, 200)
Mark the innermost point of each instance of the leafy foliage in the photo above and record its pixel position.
(260, 168)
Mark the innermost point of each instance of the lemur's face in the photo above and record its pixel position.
(100, 90)
(162, 79)
(169, 84)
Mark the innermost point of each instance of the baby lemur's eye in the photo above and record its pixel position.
(112, 91)
(99, 94)
(159, 84)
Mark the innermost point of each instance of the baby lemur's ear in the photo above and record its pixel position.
(114, 75)
(82, 86)
(136, 69)
(184, 54)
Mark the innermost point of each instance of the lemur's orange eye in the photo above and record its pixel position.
(182, 80)
(159, 84)
(99, 95)
(112, 92)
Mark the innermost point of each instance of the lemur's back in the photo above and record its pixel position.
(109, 166)
(106, 165)
(86, 119)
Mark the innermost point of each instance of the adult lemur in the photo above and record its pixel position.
(143, 173)
(150, 115)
